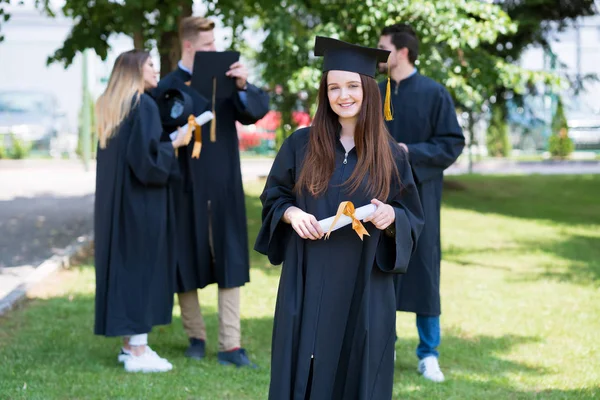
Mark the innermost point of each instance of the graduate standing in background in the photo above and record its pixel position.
(212, 226)
(424, 124)
(334, 326)
(133, 214)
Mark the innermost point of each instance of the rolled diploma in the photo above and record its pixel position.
(200, 119)
(360, 213)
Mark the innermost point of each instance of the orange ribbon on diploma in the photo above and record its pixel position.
(347, 208)
(194, 126)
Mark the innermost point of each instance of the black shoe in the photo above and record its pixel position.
(235, 357)
(196, 349)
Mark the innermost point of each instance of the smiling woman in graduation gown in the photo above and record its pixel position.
(334, 326)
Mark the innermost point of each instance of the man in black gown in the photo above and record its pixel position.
(212, 230)
(425, 125)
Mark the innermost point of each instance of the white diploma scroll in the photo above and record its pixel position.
(200, 119)
(360, 213)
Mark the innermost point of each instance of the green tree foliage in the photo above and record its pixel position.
(469, 46)
(147, 22)
(454, 35)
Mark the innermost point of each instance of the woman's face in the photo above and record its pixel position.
(345, 93)
(149, 73)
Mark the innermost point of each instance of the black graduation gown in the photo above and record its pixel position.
(215, 197)
(425, 120)
(336, 297)
(133, 227)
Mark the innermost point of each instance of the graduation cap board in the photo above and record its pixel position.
(343, 56)
(209, 79)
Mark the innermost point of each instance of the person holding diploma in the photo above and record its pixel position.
(212, 227)
(334, 326)
(133, 228)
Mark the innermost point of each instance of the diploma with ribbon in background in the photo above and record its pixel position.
(347, 215)
(194, 124)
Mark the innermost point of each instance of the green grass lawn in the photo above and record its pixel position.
(521, 311)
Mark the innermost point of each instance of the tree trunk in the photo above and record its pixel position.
(498, 140)
(169, 47)
(139, 40)
(471, 139)
(169, 50)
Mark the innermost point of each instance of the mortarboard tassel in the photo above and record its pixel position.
(213, 124)
(387, 103)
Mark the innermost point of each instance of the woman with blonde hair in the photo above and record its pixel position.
(132, 216)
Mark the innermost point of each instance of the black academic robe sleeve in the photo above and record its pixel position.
(399, 241)
(150, 160)
(256, 108)
(276, 198)
(429, 159)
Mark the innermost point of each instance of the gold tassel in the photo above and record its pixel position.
(387, 104)
(213, 124)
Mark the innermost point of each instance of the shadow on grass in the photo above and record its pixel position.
(582, 255)
(49, 344)
(571, 199)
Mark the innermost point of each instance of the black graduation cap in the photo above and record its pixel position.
(343, 56)
(175, 106)
(209, 79)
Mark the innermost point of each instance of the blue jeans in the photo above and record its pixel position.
(429, 336)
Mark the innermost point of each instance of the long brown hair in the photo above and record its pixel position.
(372, 141)
(126, 83)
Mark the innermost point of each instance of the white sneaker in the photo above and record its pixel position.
(149, 361)
(125, 354)
(429, 367)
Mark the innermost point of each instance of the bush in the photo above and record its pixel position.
(20, 149)
(14, 148)
(560, 144)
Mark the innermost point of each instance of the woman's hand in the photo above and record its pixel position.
(383, 217)
(305, 225)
